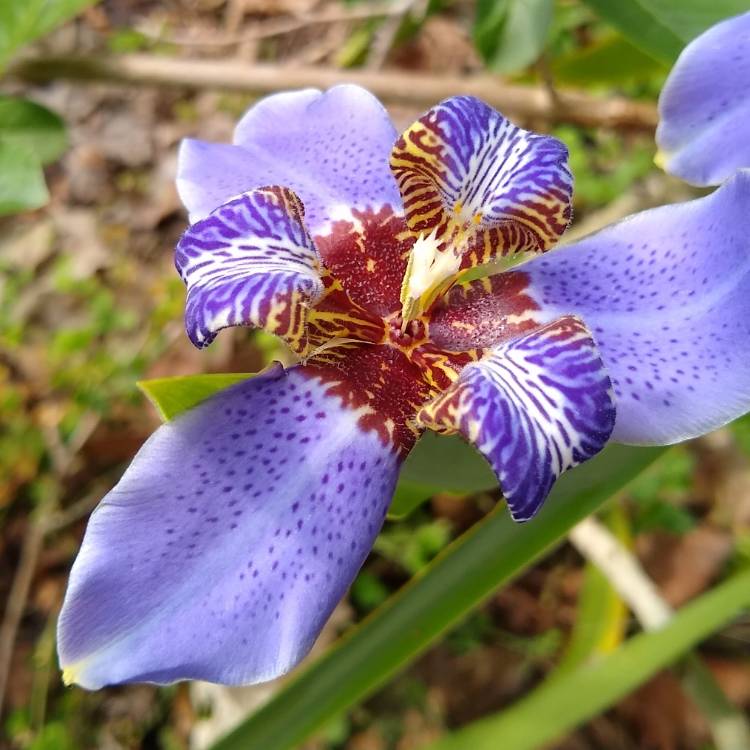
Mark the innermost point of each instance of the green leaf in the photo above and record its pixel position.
(440, 464)
(566, 703)
(408, 497)
(27, 124)
(469, 570)
(606, 61)
(22, 186)
(172, 396)
(22, 21)
(447, 464)
(638, 24)
(661, 28)
(729, 725)
(510, 34)
(689, 18)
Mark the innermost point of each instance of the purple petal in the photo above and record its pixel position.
(666, 294)
(705, 106)
(535, 407)
(331, 148)
(251, 262)
(229, 540)
(481, 182)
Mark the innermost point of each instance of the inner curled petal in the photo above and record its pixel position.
(534, 407)
(475, 187)
(250, 262)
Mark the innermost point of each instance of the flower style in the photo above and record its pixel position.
(241, 523)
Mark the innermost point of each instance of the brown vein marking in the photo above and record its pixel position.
(381, 384)
(336, 316)
(367, 253)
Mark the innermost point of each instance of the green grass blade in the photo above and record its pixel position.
(560, 705)
(468, 571)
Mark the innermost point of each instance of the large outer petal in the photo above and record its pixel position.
(534, 407)
(250, 262)
(331, 148)
(704, 106)
(666, 294)
(236, 530)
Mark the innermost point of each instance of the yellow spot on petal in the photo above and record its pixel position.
(69, 676)
(477, 218)
(458, 207)
(370, 265)
(660, 159)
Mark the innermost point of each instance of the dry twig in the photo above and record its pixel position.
(63, 458)
(277, 26)
(19, 592)
(623, 571)
(419, 90)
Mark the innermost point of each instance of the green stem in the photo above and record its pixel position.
(560, 705)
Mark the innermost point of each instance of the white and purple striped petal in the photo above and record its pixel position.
(250, 262)
(535, 407)
(666, 294)
(476, 187)
(229, 540)
(463, 166)
(704, 107)
(330, 147)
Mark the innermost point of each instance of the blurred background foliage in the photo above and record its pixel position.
(90, 304)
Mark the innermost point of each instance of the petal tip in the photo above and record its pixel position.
(660, 159)
(521, 516)
(69, 676)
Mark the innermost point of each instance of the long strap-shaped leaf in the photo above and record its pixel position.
(490, 554)
(567, 702)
